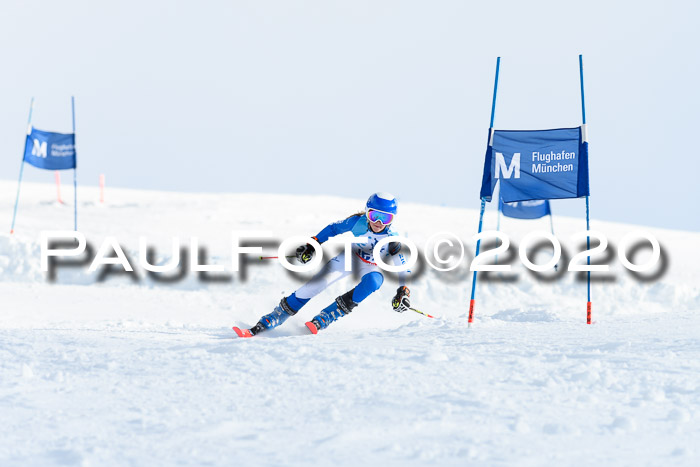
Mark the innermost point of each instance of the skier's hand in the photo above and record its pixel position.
(401, 303)
(394, 248)
(305, 253)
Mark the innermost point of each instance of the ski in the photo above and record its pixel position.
(312, 327)
(254, 331)
(242, 332)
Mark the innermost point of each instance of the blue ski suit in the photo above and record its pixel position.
(364, 265)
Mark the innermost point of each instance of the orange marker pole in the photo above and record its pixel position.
(588, 313)
(57, 176)
(102, 188)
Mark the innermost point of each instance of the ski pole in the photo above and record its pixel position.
(424, 314)
(276, 257)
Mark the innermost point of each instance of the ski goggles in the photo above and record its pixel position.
(385, 218)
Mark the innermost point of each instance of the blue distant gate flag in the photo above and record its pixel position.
(51, 151)
(536, 165)
(525, 209)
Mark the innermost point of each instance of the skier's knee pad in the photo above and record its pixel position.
(345, 302)
(287, 309)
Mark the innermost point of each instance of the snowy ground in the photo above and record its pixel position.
(142, 372)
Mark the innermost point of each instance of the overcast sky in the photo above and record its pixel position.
(351, 97)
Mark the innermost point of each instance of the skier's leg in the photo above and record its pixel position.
(370, 283)
(344, 304)
(289, 306)
(332, 272)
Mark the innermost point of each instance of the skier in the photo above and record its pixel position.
(373, 223)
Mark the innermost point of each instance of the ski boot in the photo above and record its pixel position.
(341, 307)
(278, 316)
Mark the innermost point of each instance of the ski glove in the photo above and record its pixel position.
(394, 248)
(305, 253)
(401, 303)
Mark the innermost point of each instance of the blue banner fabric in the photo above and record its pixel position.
(525, 209)
(51, 151)
(536, 164)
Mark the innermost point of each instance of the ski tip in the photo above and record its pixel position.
(312, 327)
(242, 332)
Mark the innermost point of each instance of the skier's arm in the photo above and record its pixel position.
(401, 301)
(399, 260)
(336, 228)
(306, 252)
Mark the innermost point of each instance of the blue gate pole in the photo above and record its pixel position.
(498, 220)
(478, 245)
(551, 217)
(551, 223)
(75, 170)
(551, 227)
(21, 170)
(588, 218)
(483, 201)
(495, 89)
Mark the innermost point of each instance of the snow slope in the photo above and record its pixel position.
(121, 370)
